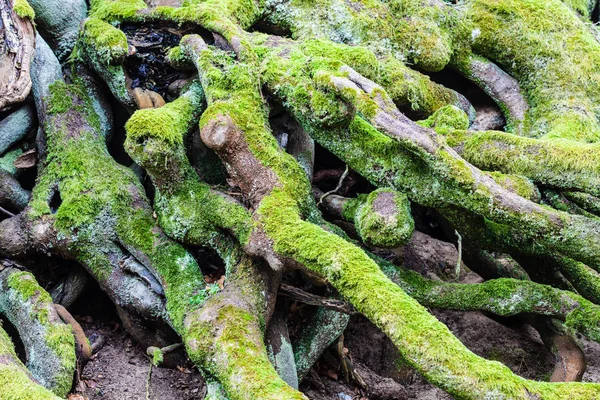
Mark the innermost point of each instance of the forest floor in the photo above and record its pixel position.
(120, 369)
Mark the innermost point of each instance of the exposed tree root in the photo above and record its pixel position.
(16, 51)
(15, 380)
(48, 342)
(261, 104)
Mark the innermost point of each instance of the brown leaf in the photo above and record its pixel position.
(75, 396)
(332, 374)
(221, 282)
(26, 160)
(91, 383)
(184, 370)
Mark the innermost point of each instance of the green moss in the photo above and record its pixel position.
(107, 43)
(178, 59)
(116, 11)
(26, 286)
(167, 124)
(188, 209)
(518, 184)
(60, 339)
(233, 338)
(15, 384)
(521, 36)
(8, 159)
(23, 9)
(558, 163)
(157, 356)
(446, 118)
(381, 225)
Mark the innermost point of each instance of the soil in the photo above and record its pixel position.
(119, 370)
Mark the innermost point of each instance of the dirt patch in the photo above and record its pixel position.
(120, 371)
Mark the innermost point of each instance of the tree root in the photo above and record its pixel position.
(280, 349)
(48, 342)
(315, 337)
(82, 344)
(87, 207)
(16, 126)
(16, 381)
(59, 23)
(502, 88)
(16, 51)
(278, 202)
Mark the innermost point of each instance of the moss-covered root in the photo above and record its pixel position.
(490, 265)
(408, 88)
(16, 382)
(48, 342)
(583, 278)
(225, 336)
(104, 48)
(316, 336)
(556, 200)
(503, 296)
(478, 193)
(12, 196)
(557, 163)
(277, 187)
(59, 21)
(520, 35)
(376, 37)
(586, 201)
(188, 209)
(501, 87)
(382, 218)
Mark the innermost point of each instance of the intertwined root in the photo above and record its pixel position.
(87, 207)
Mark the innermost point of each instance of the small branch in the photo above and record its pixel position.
(5, 211)
(314, 300)
(459, 247)
(337, 188)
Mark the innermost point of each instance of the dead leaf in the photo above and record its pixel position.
(184, 370)
(221, 282)
(332, 374)
(26, 160)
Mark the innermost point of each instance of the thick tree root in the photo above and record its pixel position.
(439, 177)
(502, 88)
(48, 342)
(225, 336)
(16, 51)
(58, 21)
(16, 126)
(277, 219)
(315, 337)
(16, 382)
(279, 194)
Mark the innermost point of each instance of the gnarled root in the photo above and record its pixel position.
(16, 51)
(49, 343)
